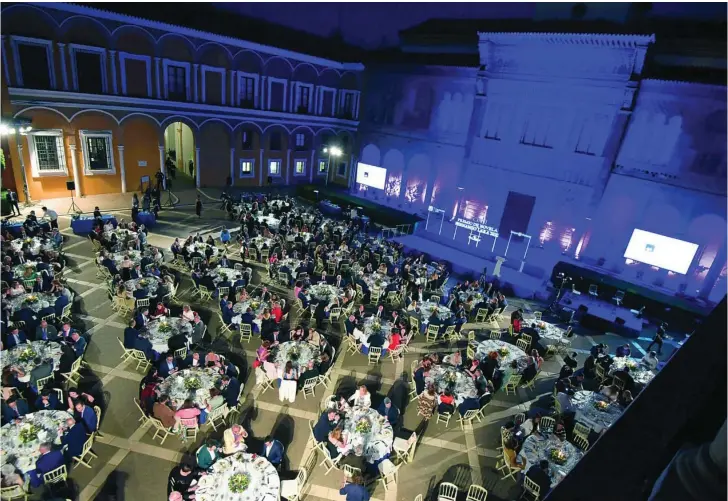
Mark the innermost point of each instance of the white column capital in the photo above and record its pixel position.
(120, 147)
(112, 52)
(161, 148)
(60, 44)
(196, 65)
(71, 145)
(157, 58)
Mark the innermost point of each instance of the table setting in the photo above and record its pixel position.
(595, 410)
(376, 281)
(240, 477)
(19, 442)
(15, 227)
(35, 244)
(83, 225)
(149, 283)
(446, 377)
(220, 274)
(23, 356)
(260, 241)
(637, 371)
(25, 271)
(256, 305)
(34, 301)
(507, 352)
(292, 265)
(324, 292)
(161, 329)
(427, 307)
(368, 429)
(299, 353)
(200, 247)
(550, 334)
(190, 383)
(134, 255)
(561, 455)
(271, 221)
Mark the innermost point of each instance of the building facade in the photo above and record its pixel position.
(112, 97)
(560, 137)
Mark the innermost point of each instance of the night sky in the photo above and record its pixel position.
(372, 25)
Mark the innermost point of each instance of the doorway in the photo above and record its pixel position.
(179, 147)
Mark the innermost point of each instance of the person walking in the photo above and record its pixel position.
(659, 335)
(13, 199)
(198, 206)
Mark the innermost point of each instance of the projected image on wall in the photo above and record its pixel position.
(661, 251)
(370, 175)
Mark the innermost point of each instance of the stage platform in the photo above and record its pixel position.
(602, 316)
(524, 286)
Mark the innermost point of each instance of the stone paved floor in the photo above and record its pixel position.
(132, 467)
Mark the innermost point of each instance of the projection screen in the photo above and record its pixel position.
(370, 175)
(661, 251)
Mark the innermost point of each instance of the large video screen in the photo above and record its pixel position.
(370, 175)
(661, 251)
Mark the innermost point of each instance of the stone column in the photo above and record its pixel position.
(157, 73)
(313, 167)
(23, 174)
(194, 72)
(288, 164)
(232, 87)
(122, 168)
(714, 273)
(261, 167)
(74, 166)
(64, 73)
(162, 166)
(5, 61)
(197, 167)
(263, 93)
(232, 166)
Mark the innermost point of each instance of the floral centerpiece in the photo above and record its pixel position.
(630, 364)
(363, 426)
(601, 405)
(143, 282)
(28, 433)
(238, 483)
(558, 456)
(376, 327)
(503, 351)
(31, 298)
(193, 383)
(164, 327)
(294, 353)
(450, 377)
(542, 325)
(27, 355)
(255, 305)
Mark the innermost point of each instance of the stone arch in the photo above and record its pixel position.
(214, 54)
(305, 72)
(251, 125)
(349, 81)
(371, 155)
(329, 77)
(393, 161)
(179, 118)
(278, 67)
(663, 218)
(84, 30)
(26, 21)
(32, 108)
(248, 61)
(138, 113)
(177, 47)
(417, 172)
(230, 127)
(134, 39)
(256, 134)
(92, 110)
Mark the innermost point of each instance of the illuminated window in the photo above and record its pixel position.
(299, 168)
(246, 168)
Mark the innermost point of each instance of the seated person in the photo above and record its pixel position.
(234, 440)
(446, 403)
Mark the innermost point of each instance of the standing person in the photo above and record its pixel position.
(658, 339)
(198, 205)
(13, 199)
(191, 165)
(52, 215)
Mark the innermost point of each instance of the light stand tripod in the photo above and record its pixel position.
(170, 199)
(71, 186)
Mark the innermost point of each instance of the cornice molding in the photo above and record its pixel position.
(594, 39)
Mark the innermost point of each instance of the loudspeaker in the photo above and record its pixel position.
(70, 185)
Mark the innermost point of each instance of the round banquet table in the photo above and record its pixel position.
(477, 296)
(200, 247)
(446, 377)
(585, 404)
(272, 222)
(385, 327)
(256, 305)
(34, 244)
(174, 386)
(426, 308)
(19, 271)
(306, 351)
(219, 274)
(26, 301)
(149, 283)
(377, 442)
(24, 455)
(292, 265)
(265, 485)
(159, 338)
(489, 345)
(325, 292)
(376, 281)
(537, 447)
(134, 255)
(550, 334)
(260, 241)
(23, 356)
(637, 371)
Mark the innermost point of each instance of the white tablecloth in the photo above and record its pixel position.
(34, 244)
(159, 338)
(265, 485)
(489, 345)
(584, 403)
(174, 386)
(638, 372)
(297, 352)
(272, 222)
(43, 349)
(325, 292)
(446, 377)
(377, 442)
(536, 447)
(35, 301)
(427, 307)
(118, 257)
(149, 283)
(24, 455)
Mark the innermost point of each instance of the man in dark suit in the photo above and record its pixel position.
(471, 402)
(74, 438)
(79, 343)
(87, 416)
(419, 377)
(539, 474)
(177, 342)
(198, 330)
(61, 302)
(350, 324)
(145, 346)
(48, 461)
(130, 335)
(140, 292)
(15, 337)
(247, 317)
(310, 372)
(389, 411)
(168, 366)
(142, 319)
(45, 332)
(273, 451)
(42, 369)
(47, 401)
(15, 409)
(230, 387)
(276, 336)
(326, 423)
(110, 265)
